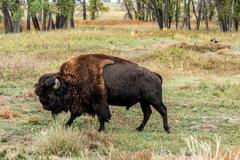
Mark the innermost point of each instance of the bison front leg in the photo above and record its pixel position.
(103, 114)
(70, 121)
(102, 124)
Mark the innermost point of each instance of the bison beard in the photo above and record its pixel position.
(89, 83)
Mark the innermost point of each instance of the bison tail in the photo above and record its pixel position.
(159, 77)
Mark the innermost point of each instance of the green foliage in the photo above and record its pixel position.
(65, 7)
(37, 6)
(15, 9)
(224, 9)
(96, 6)
(1, 18)
(236, 10)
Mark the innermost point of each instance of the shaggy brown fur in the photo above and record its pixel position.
(84, 76)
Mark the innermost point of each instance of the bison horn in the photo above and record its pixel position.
(57, 84)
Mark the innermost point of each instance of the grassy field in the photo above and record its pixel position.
(201, 84)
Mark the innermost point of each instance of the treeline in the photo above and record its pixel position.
(226, 12)
(46, 14)
(59, 14)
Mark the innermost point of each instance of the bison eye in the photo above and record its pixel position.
(51, 96)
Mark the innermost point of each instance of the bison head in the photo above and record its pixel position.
(53, 93)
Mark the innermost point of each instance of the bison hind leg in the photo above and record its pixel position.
(146, 115)
(127, 107)
(162, 109)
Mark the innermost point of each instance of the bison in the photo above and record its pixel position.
(90, 83)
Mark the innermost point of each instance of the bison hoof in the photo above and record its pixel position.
(67, 125)
(139, 129)
(101, 129)
(168, 131)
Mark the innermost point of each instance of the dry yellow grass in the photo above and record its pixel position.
(201, 90)
(7, 113)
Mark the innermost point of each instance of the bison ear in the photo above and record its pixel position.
(56, 84)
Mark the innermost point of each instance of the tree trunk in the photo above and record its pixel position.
(72, 18)
(206, 14)
(57, 21)
(17, 26)
(72, 22)
(128, 11)
(236, 14)
(221, 17)
(230, 2)
(61, 21)
(211, 9)
(8, 24)
(44, 20)
(198, 22)
(165, 13)
(35, 23)
(65, 22)
(177, 13)
(28, 21)
(186, 20)
(194, 9)
(50, 25)
(140, 12)
(157, 13)
(236, 24)
(84, 10)
(188, 15)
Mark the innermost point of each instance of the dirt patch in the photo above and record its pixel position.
(7, 113)
(185, 87)
(6, 137)
(225, 119)
(197, 46)
(4, 98)
(205, 127)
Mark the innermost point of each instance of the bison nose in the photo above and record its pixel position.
(43, 101)
(45, 107)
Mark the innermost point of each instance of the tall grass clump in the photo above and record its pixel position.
(185, 59)
(61, 142)
(70, 142)
(89, 144)
(200, 150)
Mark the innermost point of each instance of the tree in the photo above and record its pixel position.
(84, 10)
(95, 7)
(177, 12)
(206, 14)
(156, 6)
(12, 14)
(65, 9)
(186, 17)
(34, 6)
(222, 14)
(199, 15)
(8, 25)
(128, 6)
(236, 14)
(43, 12)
